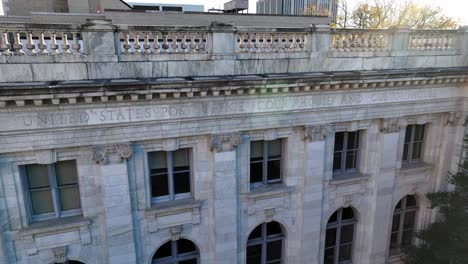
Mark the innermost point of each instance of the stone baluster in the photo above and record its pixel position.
(249, 43)
(294, 42)
(203, 44)
(449, 42)
(42, 44)
(30, 44)
(420, 42)
(165, 44)
(174, 47)
(241, 42)
(53, 44)
(126, 44)
(302, 41)
(287, 44)
(257, 42)
(264, 43)
(17, 45)
(136, 43)
(4, 43)
(76, 44)
(365, 42)
(272, 43)
(156, 42)
(65, 46)
(193, 43)
(183, 44)
(146, 43)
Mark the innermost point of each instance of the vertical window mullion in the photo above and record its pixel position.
(338, 236)
(170, 165)
(174, 251)
(343, 153)
(265, 162)
(264, 250)
(53, 188)
(402, 221)
(410, 145)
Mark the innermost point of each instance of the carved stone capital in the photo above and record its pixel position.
(225, 142)
(117, 152)
(269, 214)
(453, 118)
(391, 125)
(60, 254)
(317, 133)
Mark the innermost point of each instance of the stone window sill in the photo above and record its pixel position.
(395, 258)
(173, 207)
(55, 225)
(415, 168)
(267, 192)
(348, 179)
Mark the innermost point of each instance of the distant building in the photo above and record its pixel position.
(166, 7)
(295, 7)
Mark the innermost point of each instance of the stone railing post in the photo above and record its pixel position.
(98, 38)
(463, 42)
(400, 38)
(320, 39)
(223, 41)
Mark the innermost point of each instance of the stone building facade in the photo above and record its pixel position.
(255, 140)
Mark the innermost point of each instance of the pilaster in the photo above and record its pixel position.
(111, 167)
(225, 195)
(314, 176)
(382, 185)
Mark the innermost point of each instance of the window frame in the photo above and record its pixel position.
(52, 176)
(411, 143)
(265, 181)
(175, 257)
(170, 174)
(343, 171)
(402, 213)
(338, 225)
(264, 240)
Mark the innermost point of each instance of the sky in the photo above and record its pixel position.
(454, 8)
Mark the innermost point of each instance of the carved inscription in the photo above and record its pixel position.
(194, 109)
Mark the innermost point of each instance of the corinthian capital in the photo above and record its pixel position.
(453, 118)
(225, 142)
(117, 152)
(317, 133)
(391, 125)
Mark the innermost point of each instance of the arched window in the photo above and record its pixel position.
(404, 219)
(180, 251)
(265, 244)
(339, 237)
(71, 262)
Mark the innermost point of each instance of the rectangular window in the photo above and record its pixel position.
(346, 152)
(170, 174)
(52, 190)
(265, 161)
(413, 143)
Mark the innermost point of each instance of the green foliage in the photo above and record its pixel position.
(446, 240)
(376, 14)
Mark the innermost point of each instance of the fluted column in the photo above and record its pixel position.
(314, 165)
(112, 169)
(225, 193)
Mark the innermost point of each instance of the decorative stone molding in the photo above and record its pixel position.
(46, 156)
(453, 118)
(422, 119)
(171, 144)
(173, 214)
(104, 154)
(391, 125)
(60, 254)
(347, 200)
(175, 232)
(225, 142)
(269, 214)
(317, 133)
(270, 134)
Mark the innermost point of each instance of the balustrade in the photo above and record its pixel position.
(360, 40)
(433, 40)
(271, 42)
(160, 42)
(39, 42)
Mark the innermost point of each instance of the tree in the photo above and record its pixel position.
(446, 240)
(388, 13)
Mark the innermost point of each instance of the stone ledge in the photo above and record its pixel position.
(349, 179)
(55, 225)
(267, 192)
(173, 213)
(415, 168)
